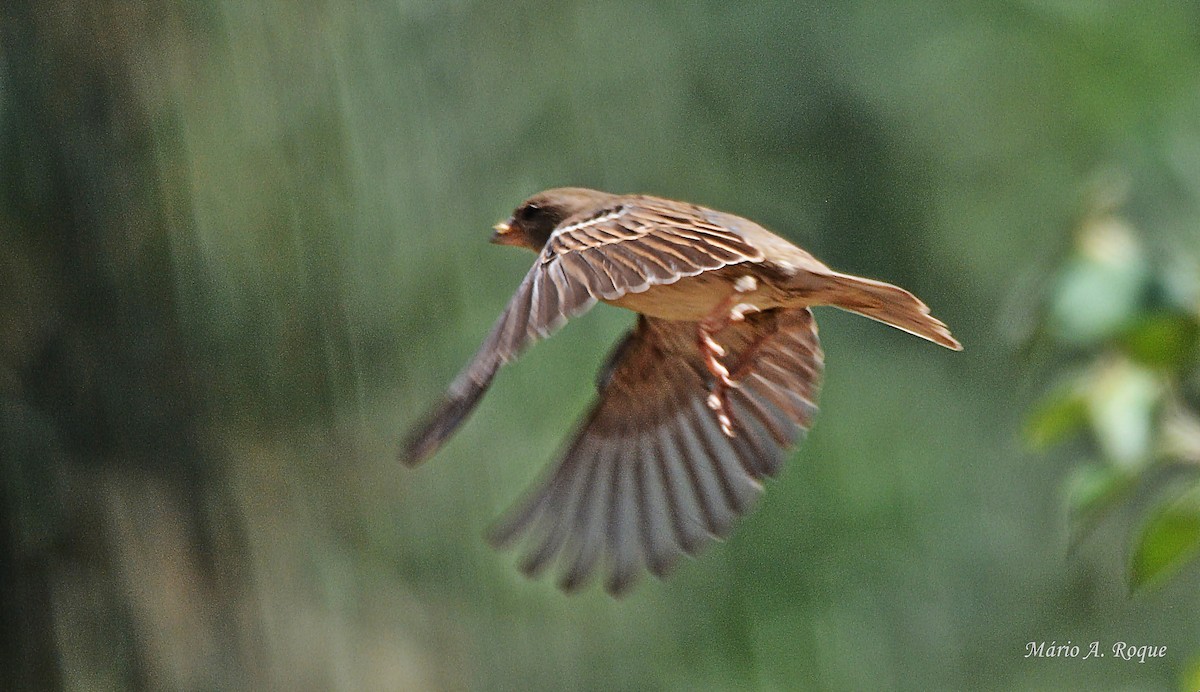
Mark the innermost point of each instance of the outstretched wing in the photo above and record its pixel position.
(649, 476)
(626, 248)
(524, 320)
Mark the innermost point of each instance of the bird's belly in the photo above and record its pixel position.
(695, 297)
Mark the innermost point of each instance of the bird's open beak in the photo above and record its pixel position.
(504, 234)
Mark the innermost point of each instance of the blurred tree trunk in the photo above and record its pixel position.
(106, 543)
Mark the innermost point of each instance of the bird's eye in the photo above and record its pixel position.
(529, 211)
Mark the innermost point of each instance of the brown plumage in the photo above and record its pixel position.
(701, 400)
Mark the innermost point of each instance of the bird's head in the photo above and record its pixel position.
(535, 219)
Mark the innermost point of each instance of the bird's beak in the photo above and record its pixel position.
(504, 234)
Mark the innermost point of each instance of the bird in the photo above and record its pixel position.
(698, 404)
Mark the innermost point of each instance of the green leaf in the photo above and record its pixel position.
(1170, 539)
(1056, 417)
(1091, 492)
(1191, 679)
(1163, 340)
(1094, 489)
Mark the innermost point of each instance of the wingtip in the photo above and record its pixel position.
(409, 456)
(497, 538)
(618, 585)
(409, 460)
(535, 563)
(418, 446)
(429, 435)
(573, 581)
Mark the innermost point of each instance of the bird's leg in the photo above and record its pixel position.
(746, 357)
(728, 311)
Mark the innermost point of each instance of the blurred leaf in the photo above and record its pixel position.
(1091, 493)
(1181, 435)
(1169, 540)
(1177, 283)
(1059, 415)
(1094, 489)
(1191, 678)
(1101, 286)
(1163, 340)
(1189, 388)
(1122, 403)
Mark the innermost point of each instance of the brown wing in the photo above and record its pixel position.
(527, 317)
(649, 476)
(625, 248)
(642, 242)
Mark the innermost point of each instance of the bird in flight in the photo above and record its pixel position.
(697, 404)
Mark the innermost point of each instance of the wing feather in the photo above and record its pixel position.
(649, 476)
(682, 502)
(639, 243)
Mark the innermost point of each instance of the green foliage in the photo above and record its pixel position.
(1139, 349)
(1101, 286)
(1059, 415)
(1094, 489)
(1164, 340)
(1170, 538)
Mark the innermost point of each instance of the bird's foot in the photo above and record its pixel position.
(718, 401)
(727, 312)
(738, 312)
(718, 397)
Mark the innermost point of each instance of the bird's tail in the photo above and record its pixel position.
(887, 303)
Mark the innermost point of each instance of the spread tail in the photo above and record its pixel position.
(889, 304)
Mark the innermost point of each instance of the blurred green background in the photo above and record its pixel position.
(243, 248)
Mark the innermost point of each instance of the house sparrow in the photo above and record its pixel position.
(698, 403)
